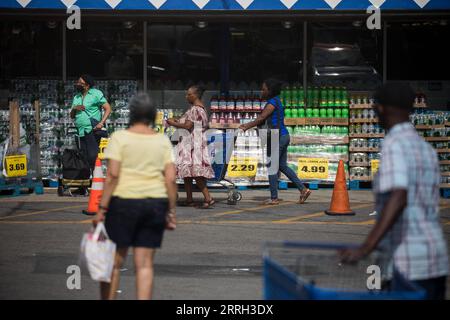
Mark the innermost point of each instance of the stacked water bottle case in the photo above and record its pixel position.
(57, 130)
(366, 136)
(434, 126)
(229, 113)
(318, 125)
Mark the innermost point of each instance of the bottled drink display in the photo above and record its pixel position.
(57, 129)
(320, 102)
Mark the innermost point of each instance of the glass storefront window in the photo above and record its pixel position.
(262, 50)
(106, 50)
(345, 55)
(180, 55)
(417, 53)
(30, 49)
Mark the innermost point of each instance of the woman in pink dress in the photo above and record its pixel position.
(192, 157)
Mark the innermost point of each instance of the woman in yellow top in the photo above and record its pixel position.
(139, 197)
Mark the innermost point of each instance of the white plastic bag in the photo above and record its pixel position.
(98, 255)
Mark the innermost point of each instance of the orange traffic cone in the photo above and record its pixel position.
(340, 204)
(96, 190)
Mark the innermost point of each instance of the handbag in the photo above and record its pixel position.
(99, 133)
(98, 253)
(75, 165)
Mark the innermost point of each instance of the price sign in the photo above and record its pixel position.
(312, 168)
(242, 167)
(16, 166)
(374, 164)
(101, 148)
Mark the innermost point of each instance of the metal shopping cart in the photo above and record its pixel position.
(221, 145)
(312, 271)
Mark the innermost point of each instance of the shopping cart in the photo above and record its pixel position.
(221, 145)
(313, 271)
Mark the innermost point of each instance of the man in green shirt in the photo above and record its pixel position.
(86, 110)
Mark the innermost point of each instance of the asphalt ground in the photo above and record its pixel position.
(213, 254)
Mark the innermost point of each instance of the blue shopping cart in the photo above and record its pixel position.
(221, 145)
(313, 271)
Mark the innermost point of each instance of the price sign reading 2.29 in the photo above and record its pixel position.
(312, 168)
(16, 166)
(242, 167)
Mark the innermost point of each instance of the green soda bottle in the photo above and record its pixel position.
(345, 113)
(337, 97)
(301, 112)
(294, 96)
(316, 113)
(301, 97)
(287, 97)
(330, 94)
(283, 97)
(344, 100)
(323, 113)
(323, 97)
(309, 94)
(316, 93)
(330, 113)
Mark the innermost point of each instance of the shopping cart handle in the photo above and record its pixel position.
(311, 245)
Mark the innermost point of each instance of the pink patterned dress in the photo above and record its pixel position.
(192, 151)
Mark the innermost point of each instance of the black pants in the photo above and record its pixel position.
(435, 288)
(89, 146)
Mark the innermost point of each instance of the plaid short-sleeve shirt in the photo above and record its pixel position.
(415, 245)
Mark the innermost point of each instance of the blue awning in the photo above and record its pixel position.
(229, 4)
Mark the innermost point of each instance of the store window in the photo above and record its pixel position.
(30, 49)
(106, 50)
(345, 55)
(417, 52)
(262, 50)
(181, 55)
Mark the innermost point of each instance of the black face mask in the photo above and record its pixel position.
(79, 88)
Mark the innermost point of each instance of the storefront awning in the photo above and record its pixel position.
(229, 4)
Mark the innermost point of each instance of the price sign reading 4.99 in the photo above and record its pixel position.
(374, 164)
(16, 166)
(242, 167)
(312, 168)
(101, 148)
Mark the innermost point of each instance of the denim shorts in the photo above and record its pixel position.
(136, 222)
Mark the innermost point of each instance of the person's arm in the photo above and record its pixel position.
(188, 125)
(75, 109)
(171, 186)
(390, 213)
(112, 178)
(107, 108)
(268, 110)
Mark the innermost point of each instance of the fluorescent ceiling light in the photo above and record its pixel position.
(336, 49)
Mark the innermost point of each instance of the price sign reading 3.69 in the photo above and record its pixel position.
(16, 166)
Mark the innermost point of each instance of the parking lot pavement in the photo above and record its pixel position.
(213, 254)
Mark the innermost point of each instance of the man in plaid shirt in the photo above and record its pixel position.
(407, 235)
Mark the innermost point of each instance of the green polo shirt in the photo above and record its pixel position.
(92, 102)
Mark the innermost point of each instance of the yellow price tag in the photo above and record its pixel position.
(101, 148)
(242, 167)
(374, 164)
(16, 166)
(312, 168)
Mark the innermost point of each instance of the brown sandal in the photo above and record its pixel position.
(207, 204)
(304, 195)
(271, 202)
